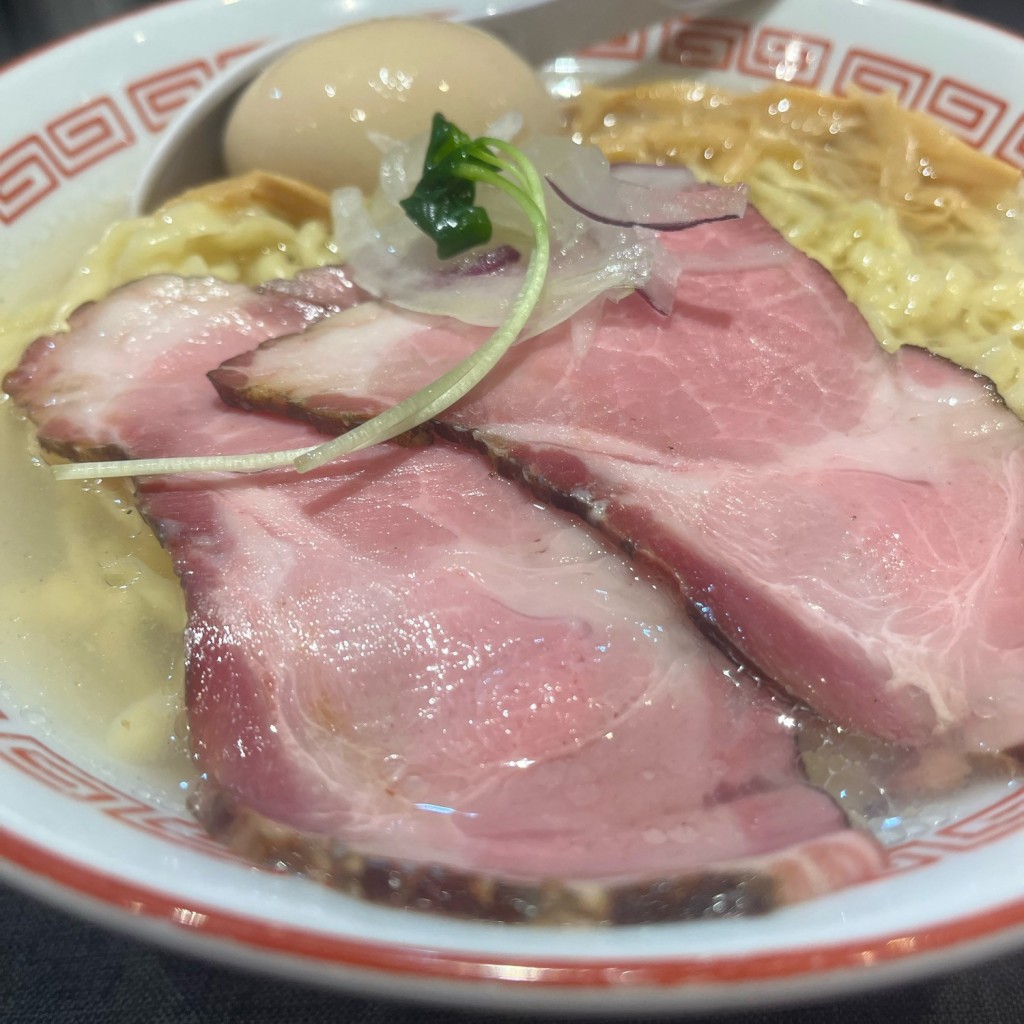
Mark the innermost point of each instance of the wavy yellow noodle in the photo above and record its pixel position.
(249, 229)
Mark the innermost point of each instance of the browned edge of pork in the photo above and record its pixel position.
(437, 888)
(256, 398)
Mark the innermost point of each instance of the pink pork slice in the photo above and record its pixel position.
(410, 681)
(848, 522)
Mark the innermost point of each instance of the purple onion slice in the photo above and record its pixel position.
(659, 210)
(485, 261)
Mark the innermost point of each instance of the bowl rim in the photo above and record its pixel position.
(777, 976)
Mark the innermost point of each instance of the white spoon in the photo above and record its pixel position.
(190, 151)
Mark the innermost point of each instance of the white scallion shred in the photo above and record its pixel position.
(254, 463)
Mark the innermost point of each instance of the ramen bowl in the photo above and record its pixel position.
(91, 828)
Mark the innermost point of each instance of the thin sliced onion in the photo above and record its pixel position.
(590, 187)
(659, 290)
(393, 261)
(752, 257)
(700, 205)
(671, 177)
(483, 261)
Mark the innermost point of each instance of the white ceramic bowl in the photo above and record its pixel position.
(106, 841)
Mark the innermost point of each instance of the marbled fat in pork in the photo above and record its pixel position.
(407, 679)
(849, 522)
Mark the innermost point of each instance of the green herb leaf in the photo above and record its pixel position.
(443, 204)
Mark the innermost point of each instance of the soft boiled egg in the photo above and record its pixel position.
(322, 112)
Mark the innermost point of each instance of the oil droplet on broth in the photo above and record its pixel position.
(91, 618)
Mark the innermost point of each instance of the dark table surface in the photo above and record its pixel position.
(55, 969)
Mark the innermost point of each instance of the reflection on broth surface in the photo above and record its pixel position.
(90, 631)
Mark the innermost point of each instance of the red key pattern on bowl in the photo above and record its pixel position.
(34, 166)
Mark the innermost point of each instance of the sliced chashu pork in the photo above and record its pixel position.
(848, 522)
(408, 680)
